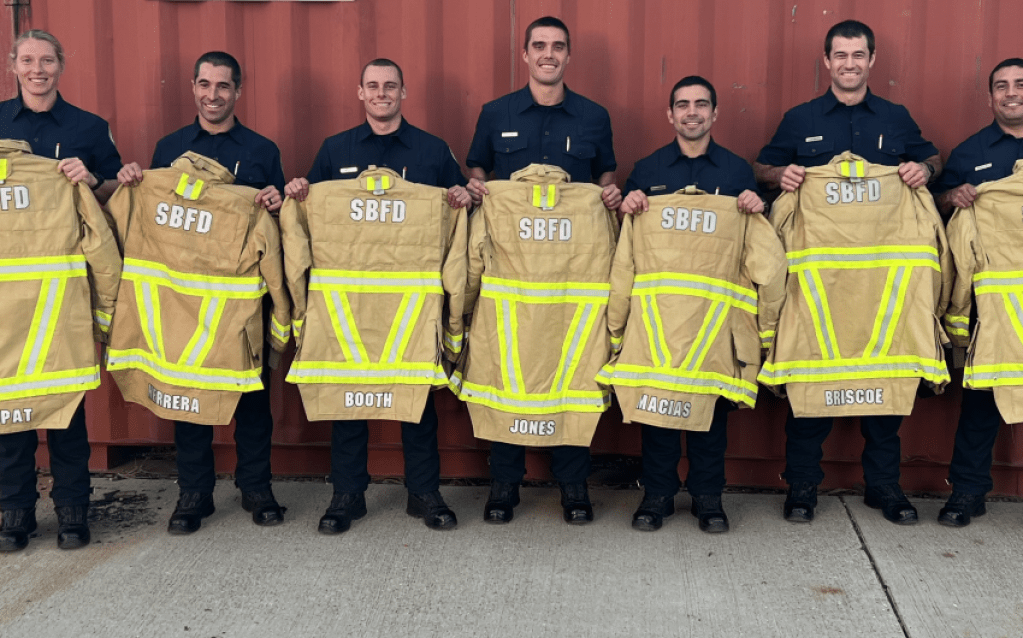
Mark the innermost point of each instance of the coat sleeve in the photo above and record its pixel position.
(962, 240)
(474, 269)
(623, 273)
(766, 266)
(271, 267)
(943, 285)
(103, 257)
(453, 275)
(298, 259)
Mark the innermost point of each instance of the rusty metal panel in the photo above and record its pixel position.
(131, 61)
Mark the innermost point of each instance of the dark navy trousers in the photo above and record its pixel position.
(979, 420)
(662, 451)
(569, 463)
(882, 450)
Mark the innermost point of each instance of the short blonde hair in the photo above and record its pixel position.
(38, 34)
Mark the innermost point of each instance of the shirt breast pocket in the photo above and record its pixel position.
(892, 151)
(509, 145)
(821, 149)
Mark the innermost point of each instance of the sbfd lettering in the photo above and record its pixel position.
(17, 195)
(178, 216)
(665, 407)
(535, 428)
(873, 396)
(368, 399)
(545, 229)
(377, 210)
(847, 192)
(174, 401)
(685, 219)
(18, 415)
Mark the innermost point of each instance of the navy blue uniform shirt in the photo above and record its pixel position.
(412, 152)
(985, 156)
(877, 130)
(668, 170)
(79, 133)
(258, 160)
(514, 131)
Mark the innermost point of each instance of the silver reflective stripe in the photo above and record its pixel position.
(815, 296)
(301, 372)
(406, 317)
(900, 255)
(682, 379)
(509, 346)
(573, 346)
(864, 367)
(186, 377)
(997, 281)
(103, 321)
(499, 289)
(50, 287)
(202, 287)
(518, 402)
(379, 282)
(889, 310)
(42, 268)
(705, 339)
(147, 300)
(696, 285)
(958, 324)
(346, 328)
(207, 322)
(655, 325)
(189, 190)
(1014, 298)
(995, 376)
(46, 384)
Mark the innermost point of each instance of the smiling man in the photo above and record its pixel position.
(985, 156)
(385, 139)
(255, 161)
(846, 118)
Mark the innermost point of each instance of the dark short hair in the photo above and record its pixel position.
(1001, 65)
(693, 80)
(548, 21)
(849, 29)
(219, 58)
(385, 63)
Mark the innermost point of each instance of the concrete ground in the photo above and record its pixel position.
(849, 573)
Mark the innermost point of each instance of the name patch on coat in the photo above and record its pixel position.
(177, 216)
(368, 399)
(666, 407)
(847, 192)
(873, 396)
(20, 415)
(378, 210)
(535, 428)
(174, 401)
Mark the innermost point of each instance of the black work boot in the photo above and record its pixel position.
(500, 507)
(652, 511)
(430, 507)
(711, 515)
(892, 502)
(73, 526)
(960, 508)
(344, 508)
(575, 500)
(264, 507)
(15, 529)
(192, 507)
(800, 502)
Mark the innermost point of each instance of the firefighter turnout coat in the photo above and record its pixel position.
(540, 251)
(985, 241)
(60, 266)
(369, 262)
(682, 293)
(187, 336)
(869, 275)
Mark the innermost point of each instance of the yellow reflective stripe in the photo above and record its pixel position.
(821, 324)
(48, 383)
(385, 181)
(191, 284)
(766, 338)
(333, 372)
(698, 286)
(864, 257)
(40, 332)
(371, 281)
(575, 342)
(3, 169)
(616, 344)
(296, 326)
(886, 294)
(815, 275)
(1012, 304)
(659, 352)
(503, 343)
(281, 331)
(188, 191)
(696, 381)
(210, 313)
(545, 292)
(402, 326)
(902, 277)
(566, 401)
(51, 326)
(541, 199)
(536, 195)
(181, 375)
(392, 334)
(695, 350)
(182, 184)
(957, 325)
(852, 169)
(35, 268)
(513, 312)
(891, 367)
(453, 341)
(722, 313)
(344, 330)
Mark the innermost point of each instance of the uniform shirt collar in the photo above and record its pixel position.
(57, 112)
(196, 130)
(713, 153)
(364, 131)
(831, 102)
(992, 134)
(523, 99)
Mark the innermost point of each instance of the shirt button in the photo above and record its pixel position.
(545, 157)
(546, 132)
(856, 133)
(35, 139)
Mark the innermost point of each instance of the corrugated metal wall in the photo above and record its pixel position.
(130, 61)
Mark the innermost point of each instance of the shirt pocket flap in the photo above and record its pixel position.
(582, 150)
(814, 149)
(509, 144)
(896, 148)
